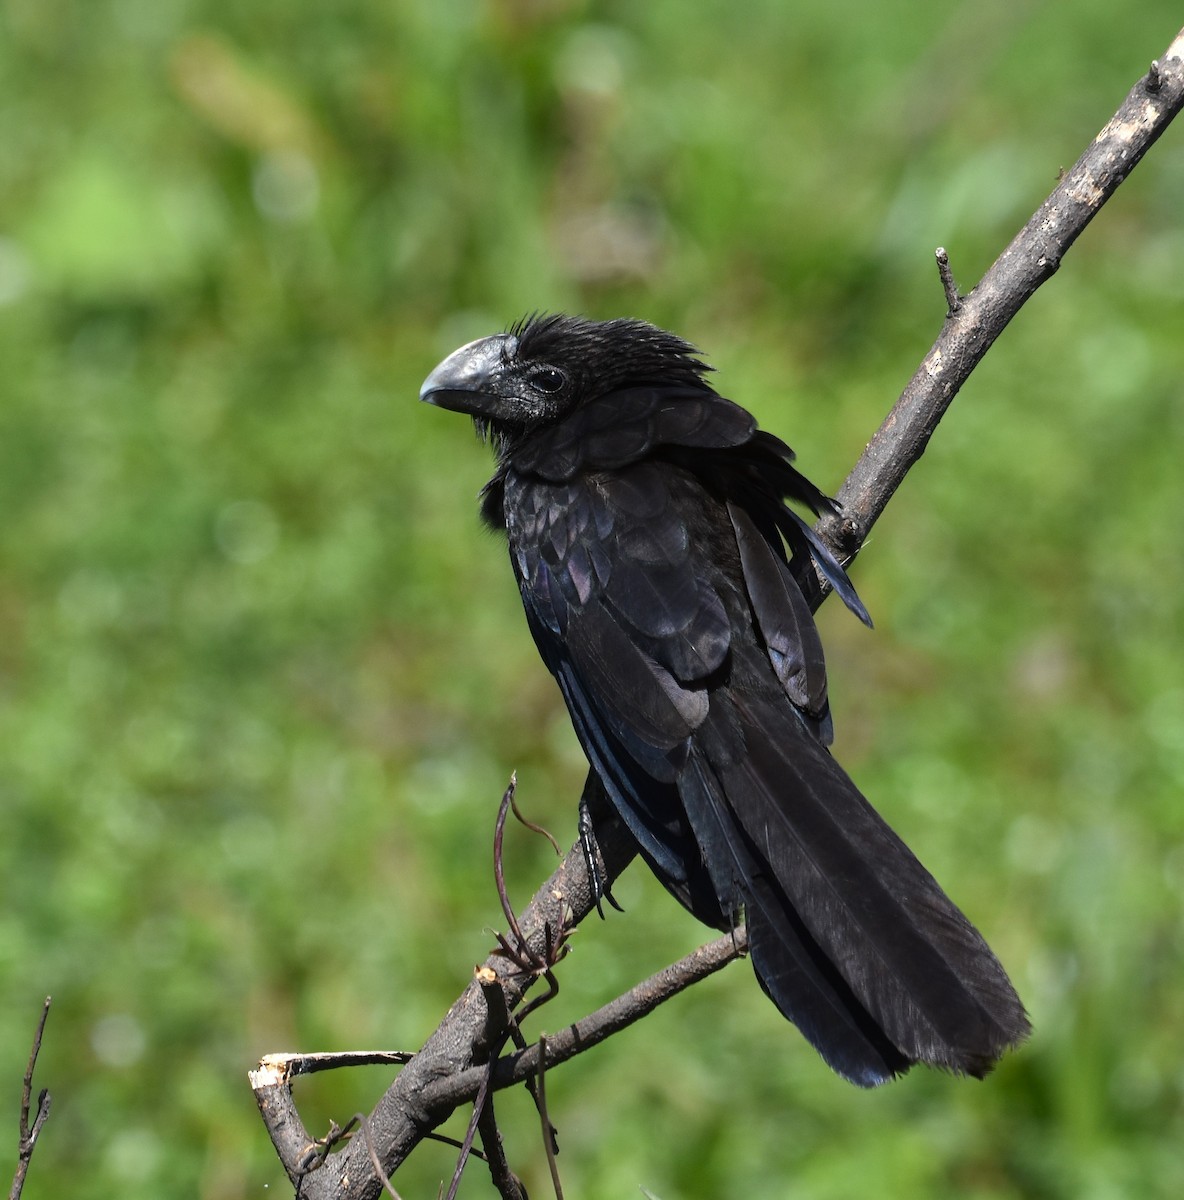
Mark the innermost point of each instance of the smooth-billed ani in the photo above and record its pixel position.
(656, 559)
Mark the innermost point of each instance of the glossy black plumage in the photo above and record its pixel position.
(648, 531)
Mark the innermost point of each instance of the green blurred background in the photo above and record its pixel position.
(263, 678)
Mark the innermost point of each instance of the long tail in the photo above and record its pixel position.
(850, 936)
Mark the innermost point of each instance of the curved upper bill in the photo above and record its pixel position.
(466, 381)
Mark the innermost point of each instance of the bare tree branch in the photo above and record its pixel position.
(589, 1031)
(448, 1070)
(29, 1133)
(402, 1118)
(978, 318)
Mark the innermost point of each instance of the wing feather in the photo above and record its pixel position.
(783, 617)
(607, 571)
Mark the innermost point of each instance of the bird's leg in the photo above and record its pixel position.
(594, 796)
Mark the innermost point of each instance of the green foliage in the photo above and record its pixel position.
(262, 677)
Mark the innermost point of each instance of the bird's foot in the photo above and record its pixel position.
(596, 882)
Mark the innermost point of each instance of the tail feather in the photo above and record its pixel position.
(852, 938)
(791, 966)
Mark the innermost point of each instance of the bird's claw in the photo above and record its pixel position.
(601, 894)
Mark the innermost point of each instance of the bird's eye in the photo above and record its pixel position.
(548, 379)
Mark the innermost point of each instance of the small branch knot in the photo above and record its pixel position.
(848, 537)
(1152, 82)
(953, 300)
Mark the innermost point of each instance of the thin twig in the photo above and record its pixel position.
(387, 1186)
(520, 950)
(500, 1023)
(953, 300)
(508, 1185)
(30, 1133)
(548, 1129)
(466, 1146)
(536, 1002)
(316, 1152)
(546, 833)
(445, 1140)
(293, 1065)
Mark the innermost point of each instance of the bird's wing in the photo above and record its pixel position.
(608, 566)
(782, 617)
(625, 617)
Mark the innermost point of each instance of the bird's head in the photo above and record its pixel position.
(545, 367)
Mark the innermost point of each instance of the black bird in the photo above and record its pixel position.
(655, 555)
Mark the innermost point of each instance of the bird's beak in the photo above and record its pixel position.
(467, 380)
